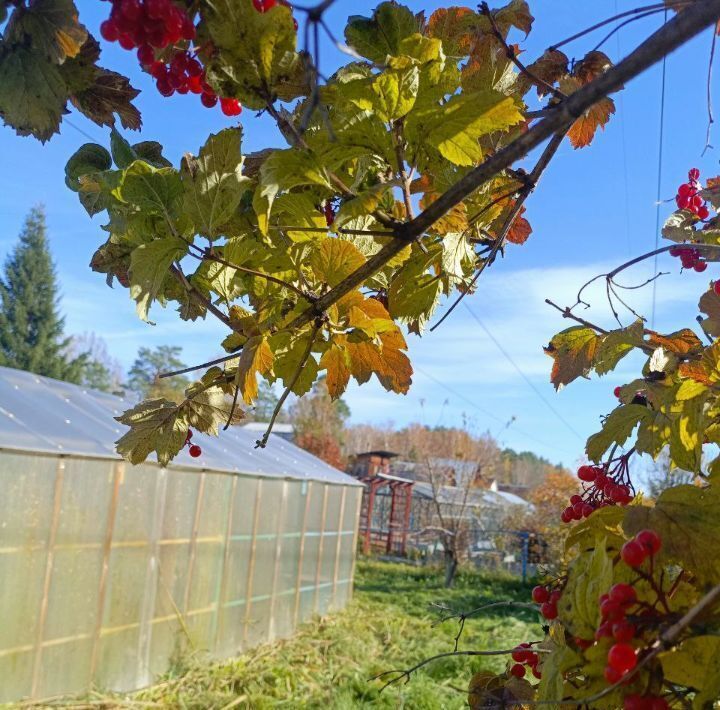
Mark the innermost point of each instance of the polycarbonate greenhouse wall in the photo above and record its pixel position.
(107, 569)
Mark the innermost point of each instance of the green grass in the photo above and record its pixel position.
(327, 664)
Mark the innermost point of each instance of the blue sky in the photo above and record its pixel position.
(592, 210)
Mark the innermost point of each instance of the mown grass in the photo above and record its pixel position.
(327, 664)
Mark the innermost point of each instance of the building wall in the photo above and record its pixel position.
(107, 569)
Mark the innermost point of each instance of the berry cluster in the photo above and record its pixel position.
(608, 484)
(690, 258)
(645, 544)
(548, 600)
(193, 449)
(524, 655)
(329, 213)
(152, 26)
(688, 196)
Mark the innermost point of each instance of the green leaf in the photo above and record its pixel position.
(213, 182)
(334, 260)
(32, 93)
(573, 351)
(88, 158)
(51, 27)
(456, 127)
(695, 664)
(458, 255)
(614, 346)
(122, 152)
(616, 429)
(395, 93)
(380, 35)
(589, 576)
(361, 205)
(255, 52)
(149, 267)
(554, 665)
(145, 187)
(682, 515)
(414, 293)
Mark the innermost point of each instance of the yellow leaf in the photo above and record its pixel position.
(334, 260)
(336, 362)
(256, 358)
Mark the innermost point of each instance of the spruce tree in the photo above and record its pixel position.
(31, 328)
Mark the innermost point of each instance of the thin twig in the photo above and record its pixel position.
(193, 292)
(711, 119)
(511, 54)
(567, 313)
(201, 366)
(261, 443)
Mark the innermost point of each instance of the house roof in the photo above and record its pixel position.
(476, 497)
(42, 415)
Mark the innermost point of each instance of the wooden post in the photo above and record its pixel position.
(338, 546)
(391, 520)
(220, 608)
(251, 561)
(369, 516)
(118, 474)
(301, 556)
(193, 542)
(320, 547)
(52, 535)
(276, 565)
(406, 522)
(354, 545)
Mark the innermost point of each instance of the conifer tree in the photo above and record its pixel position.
(31, 327)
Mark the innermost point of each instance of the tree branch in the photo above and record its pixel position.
(176, 271)
(668, 38)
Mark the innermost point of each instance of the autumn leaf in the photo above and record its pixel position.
(573, 351)
(256, 359)
(520, 229)
(583, 130)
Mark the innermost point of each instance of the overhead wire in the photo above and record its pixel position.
(659, 179)
(520, 372)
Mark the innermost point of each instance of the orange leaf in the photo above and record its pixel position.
(583, 131)
(520, 229)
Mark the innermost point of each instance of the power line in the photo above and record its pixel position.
(659, 180)
(80, 130)
(529, 382)
(489, 414)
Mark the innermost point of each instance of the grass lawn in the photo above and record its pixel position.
(327, 663)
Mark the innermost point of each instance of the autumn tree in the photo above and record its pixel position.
(319, 424)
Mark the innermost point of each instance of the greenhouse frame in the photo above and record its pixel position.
(108, 570)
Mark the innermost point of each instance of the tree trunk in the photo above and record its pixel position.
(451, 564)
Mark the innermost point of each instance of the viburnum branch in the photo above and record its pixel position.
(656, 7)
(208, 255)
(524, 192)
(711, 118)
(477, 610)
(361, 232)
(177, 272)
(261, 443)
(202, 365)
(407, 672)
(617, 28)
(567, 313)
(668, 38)
(397, 136)
(511, 54)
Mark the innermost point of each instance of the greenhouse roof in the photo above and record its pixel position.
(39, 414)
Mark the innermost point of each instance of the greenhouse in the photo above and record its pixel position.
(108, 569)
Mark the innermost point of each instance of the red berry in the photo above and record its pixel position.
(649, 540)
(623, 631)
(604, 630)
(126, 41)
(693, 174)
(109, 31)
(623, 593)
(146, 55)
(635, 702)
(578, 511)
(194, 84)
(567, 515)
(611, 675)
(259, 5)
(600, 481)
(230, 107)
(156, 8)
(633, 553)
(555, 596)
(194, 68)
(540, 594)
(587, 510)
(683, 201)
(131, 9)
(619, 493)
(684, 189)
(622, 657)
(549, 610)
(575, 499)
(164, 87)
(582, 643)
(617, 391)
(519, 655)
(587, 473)
(532, 659)
(518, 671)
(676, 251)
(208, 100)
(158, 70)
(716, 287)
(703, 212)
(611, 610)
(700, 266)
(195, 451)
(697, 201)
